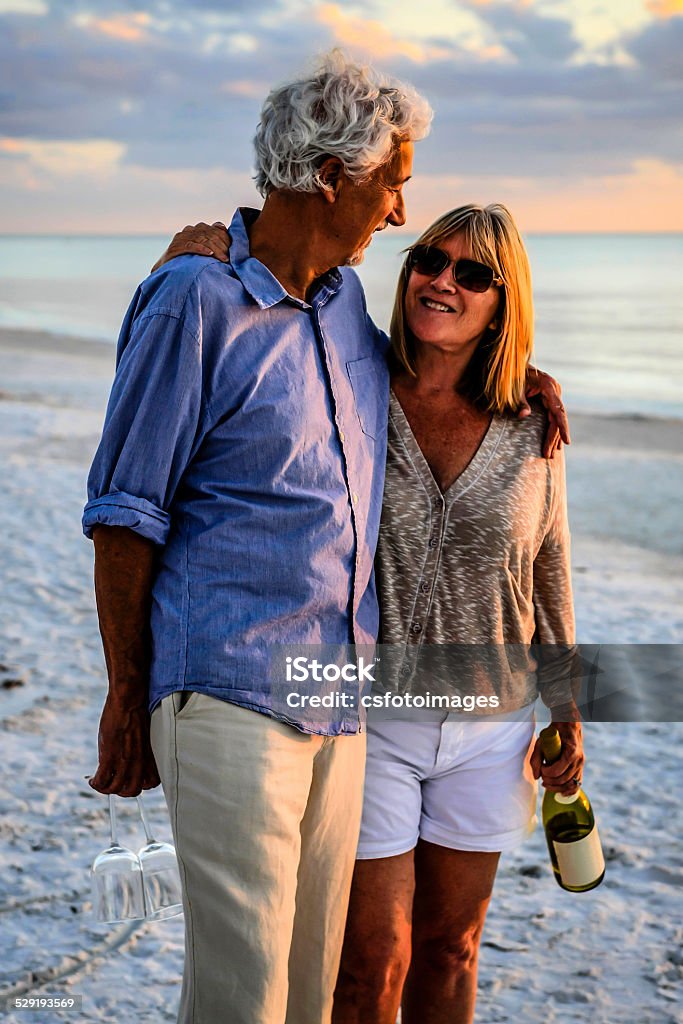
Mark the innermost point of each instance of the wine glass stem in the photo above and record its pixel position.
(145, 823)
(112, 820)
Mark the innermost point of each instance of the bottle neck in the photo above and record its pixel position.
(551, 748)
(551, 744)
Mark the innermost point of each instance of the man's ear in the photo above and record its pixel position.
(330, 176)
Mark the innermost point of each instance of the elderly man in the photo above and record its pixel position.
(234, 505)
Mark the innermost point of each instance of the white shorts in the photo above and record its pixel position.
(462, 784)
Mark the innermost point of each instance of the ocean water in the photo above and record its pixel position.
(609, 308)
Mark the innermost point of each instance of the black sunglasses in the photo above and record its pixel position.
(432, 261)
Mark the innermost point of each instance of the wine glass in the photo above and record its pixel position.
(116, 880)
(159, 874)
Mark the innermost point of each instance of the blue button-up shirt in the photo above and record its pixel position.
(246, 436)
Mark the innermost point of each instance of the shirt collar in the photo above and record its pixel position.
(264, 289)
(257, 280)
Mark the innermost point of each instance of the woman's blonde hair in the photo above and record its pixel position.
(496, 373)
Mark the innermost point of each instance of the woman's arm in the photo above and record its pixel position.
(199, 240)
(555, 635)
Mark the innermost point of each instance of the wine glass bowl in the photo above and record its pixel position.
(160, 876)
(116, 881)
(160, 880)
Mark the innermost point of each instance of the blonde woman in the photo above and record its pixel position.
(473, 549)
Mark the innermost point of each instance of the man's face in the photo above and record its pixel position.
(364, 208)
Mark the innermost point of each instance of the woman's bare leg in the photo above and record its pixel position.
(376, 952)
(452, 893)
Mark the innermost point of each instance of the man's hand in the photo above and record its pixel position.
(126, 762)
(558, 777)
(539, 383)
(200, 240)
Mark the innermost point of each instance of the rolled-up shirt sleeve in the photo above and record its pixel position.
(152, 426)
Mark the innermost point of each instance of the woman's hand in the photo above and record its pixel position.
(559, 776)
(542, 384)
(200, 240)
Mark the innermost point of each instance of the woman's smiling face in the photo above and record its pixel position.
(440, 312)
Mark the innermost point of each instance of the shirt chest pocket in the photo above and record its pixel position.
(365, 385)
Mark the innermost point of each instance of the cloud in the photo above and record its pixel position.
(645, 197)
(234, 6)
(248, 87)
(528, 35)
(30, 7)
(134, 199)
(178, 87)
(544, 115)
(371, 37)
(240, 42)
(665, 8)
(129, 27)
(93, 157)
(658, 48)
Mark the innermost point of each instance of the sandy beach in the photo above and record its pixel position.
(615, 954)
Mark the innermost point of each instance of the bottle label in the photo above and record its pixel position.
(580, 863)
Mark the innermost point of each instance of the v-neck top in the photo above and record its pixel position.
(485, 562)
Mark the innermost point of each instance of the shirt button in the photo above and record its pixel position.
(433, 542)
(405, 670)
(416, 627)
(355, 498)
(424, 587)
(341, 435)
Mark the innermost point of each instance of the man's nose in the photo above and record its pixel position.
(397, 217)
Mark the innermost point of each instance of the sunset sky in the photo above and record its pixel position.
(119, 117)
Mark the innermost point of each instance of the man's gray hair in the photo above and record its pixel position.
(354, 113)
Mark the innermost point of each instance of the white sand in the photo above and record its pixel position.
(613, 955)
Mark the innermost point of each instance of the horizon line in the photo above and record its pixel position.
(394, 234)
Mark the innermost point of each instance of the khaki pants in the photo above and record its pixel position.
(265, 821)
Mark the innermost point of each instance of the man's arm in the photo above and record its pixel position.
(124, 570)
(152, 428)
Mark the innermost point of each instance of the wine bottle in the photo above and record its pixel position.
(570, 829)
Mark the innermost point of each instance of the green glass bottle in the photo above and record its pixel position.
(570, 829)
